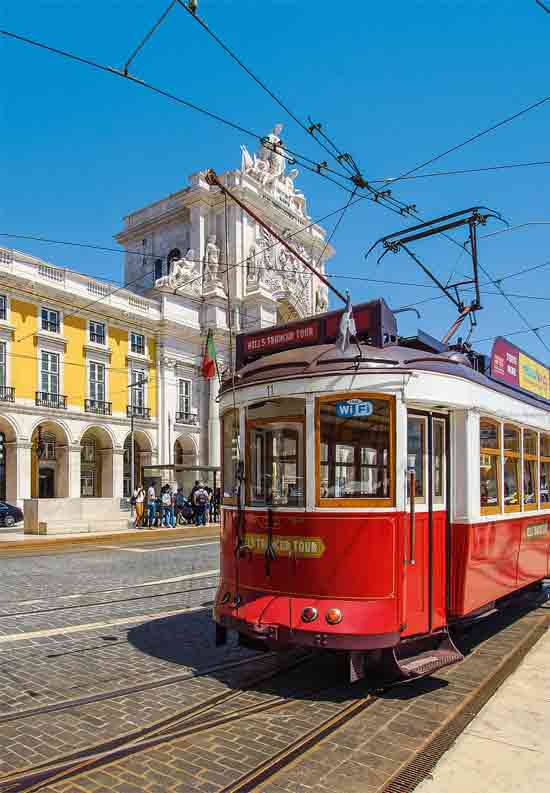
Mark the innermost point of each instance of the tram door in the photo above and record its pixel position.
(426, 523)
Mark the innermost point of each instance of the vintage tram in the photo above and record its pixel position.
(375, 495)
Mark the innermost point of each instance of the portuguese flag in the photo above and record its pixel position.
(209, 363)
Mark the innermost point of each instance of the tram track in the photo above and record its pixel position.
(178, 725)
(105, 602)
(493, 658)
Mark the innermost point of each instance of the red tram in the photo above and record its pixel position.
(384, 492)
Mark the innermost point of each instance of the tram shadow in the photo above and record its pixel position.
(185, 643)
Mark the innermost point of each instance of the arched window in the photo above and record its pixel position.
(172, 257)
(47, 449)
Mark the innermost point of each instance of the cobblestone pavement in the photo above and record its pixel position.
(131, 628)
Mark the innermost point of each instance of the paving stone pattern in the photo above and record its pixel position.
(358, 758)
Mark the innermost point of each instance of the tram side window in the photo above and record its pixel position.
(230, 461)
(275, 449)
(355, 446)
(416, 455)
(489, 466)
(530, 464)
(512, 472)
(545, 471)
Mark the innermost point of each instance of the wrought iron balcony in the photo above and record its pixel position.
(47, 400)
(138, 411)
(7, 393)
(187, 418)
(99, 407)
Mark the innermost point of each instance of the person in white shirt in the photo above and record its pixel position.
(151, 505)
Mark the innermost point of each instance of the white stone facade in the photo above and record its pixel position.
(185, 254)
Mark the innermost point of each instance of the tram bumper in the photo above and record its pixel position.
(276, 622)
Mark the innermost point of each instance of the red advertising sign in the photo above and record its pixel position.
(505, 362)
(283, 338)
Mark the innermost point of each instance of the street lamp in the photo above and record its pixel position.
(139, 382)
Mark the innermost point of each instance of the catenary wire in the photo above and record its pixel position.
(260, 82)
(290, 155)
(389, 179)
(472, 138)
(148, 35)
(193, 280)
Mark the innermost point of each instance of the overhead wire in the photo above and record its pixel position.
(290, 155)
(391, 179)
(148, 35)
(192, 12)
(472, 138)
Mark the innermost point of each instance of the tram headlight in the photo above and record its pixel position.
(226, 598)
(309, 614)
(334, 616)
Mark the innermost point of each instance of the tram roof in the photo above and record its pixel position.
(323, 359)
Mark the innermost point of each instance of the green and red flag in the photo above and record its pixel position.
(209, 361)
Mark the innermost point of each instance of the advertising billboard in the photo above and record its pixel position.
(511, 365)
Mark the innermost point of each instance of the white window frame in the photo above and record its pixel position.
(45, 351)
(59, 331)
(92, 363)
(133, 352)
(140, 373)
(88, 474)
(182, 396)
(105, 337)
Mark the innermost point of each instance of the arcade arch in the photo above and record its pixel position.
(8, 460)
(50, 461)
(96, 464)
(143, 453)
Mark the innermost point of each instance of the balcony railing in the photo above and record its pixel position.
(46, 400)
(7, 393)
(138, 411)
(187, 418)
(99, 407)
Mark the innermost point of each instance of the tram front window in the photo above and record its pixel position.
(355, 449)
(276, 453)
(230, 456)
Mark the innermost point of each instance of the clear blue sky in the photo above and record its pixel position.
(394, 83)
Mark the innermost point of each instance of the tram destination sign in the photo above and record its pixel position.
(514, 367)
(375, 323)
(354, 408)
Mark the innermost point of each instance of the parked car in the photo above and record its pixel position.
(9, 515)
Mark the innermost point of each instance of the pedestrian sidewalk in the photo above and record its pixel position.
(506, 747)
(15, 539)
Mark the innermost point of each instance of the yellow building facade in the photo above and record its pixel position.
(79, 371)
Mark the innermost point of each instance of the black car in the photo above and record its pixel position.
(9, 515)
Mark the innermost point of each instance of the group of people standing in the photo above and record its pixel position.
(172, 506)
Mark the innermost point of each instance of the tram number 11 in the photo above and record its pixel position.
(269, 390)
